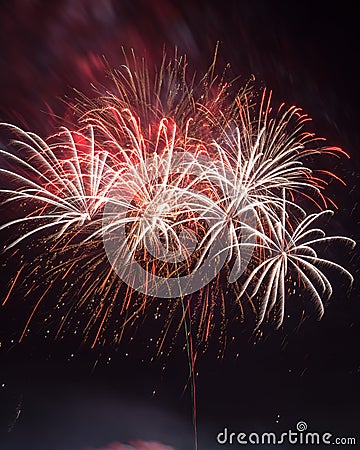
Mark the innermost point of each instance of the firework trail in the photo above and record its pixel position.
(170, 181)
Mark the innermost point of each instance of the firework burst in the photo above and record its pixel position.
(64, 183)
(170, 181)
(285, 250)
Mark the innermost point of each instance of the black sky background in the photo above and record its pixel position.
(307, 53)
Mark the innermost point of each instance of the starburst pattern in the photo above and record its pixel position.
(183, 177)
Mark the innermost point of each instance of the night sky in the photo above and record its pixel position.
(62, 395)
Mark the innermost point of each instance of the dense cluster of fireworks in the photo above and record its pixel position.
(179, 186)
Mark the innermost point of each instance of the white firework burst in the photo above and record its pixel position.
(60, 183)
(286, 250)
